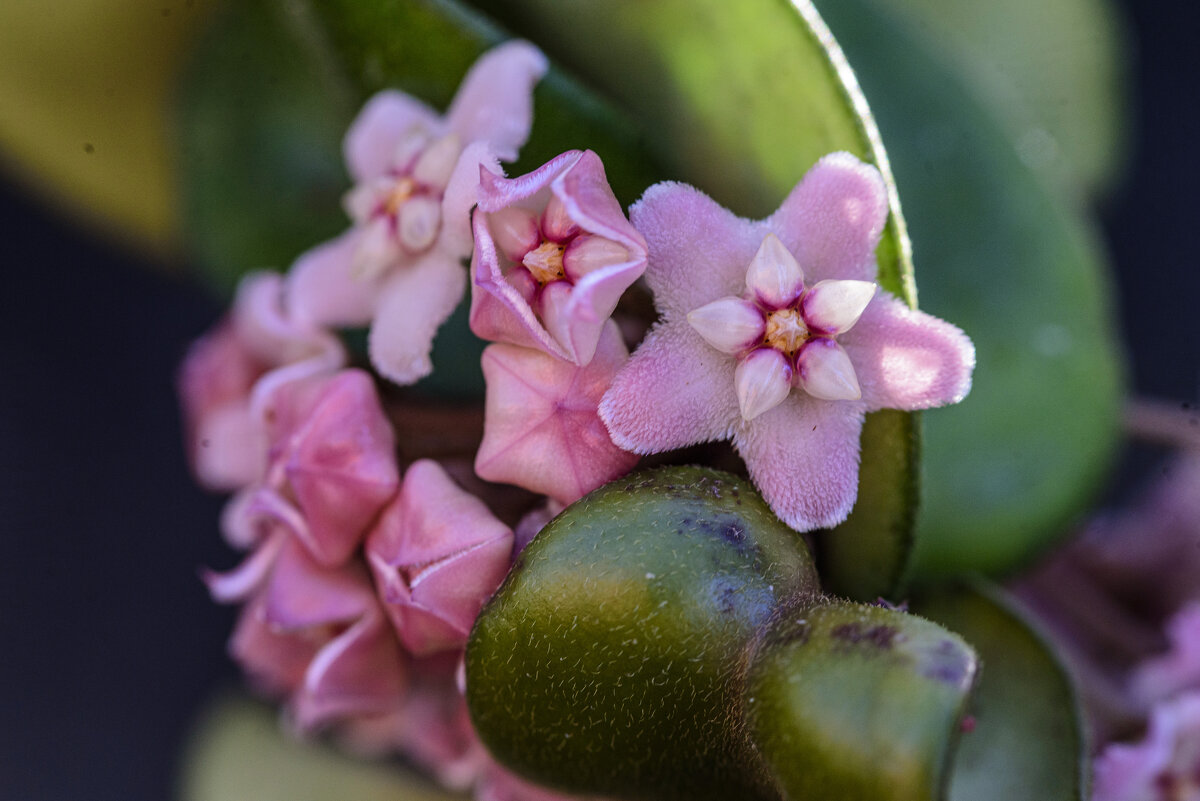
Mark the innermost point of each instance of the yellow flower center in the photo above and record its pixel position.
(545, 262)
(404, 189)
(785, 331)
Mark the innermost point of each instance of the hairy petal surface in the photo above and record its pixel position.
(803, 456)
(832, 221)
(675, 391)
(907, 359)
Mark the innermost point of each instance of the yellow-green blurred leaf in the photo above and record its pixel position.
(239, 753)
(85, 86)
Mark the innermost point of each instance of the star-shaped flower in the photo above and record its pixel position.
(553, 254)
(773, 334)
(416, 178)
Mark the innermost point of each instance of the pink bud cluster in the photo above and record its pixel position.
(364, 576)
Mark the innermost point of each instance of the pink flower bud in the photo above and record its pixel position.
(437, 554)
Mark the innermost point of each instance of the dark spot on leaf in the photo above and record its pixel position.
(89, 148)
(946, 664)
(881, 637)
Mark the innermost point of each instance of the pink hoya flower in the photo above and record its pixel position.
(553, 254)
(1165, 766)
(416, 177)
(260, 342)
(773, 334)
(1178, 669)
(437, 554)
(317, 636)
(541, 430)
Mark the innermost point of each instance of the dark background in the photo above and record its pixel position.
(109, 642)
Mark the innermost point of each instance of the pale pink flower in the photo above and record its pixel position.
(258, 346)
(317, 637)
(541, 430)
(1165, 766)
(553, 255)
(1179, 668)
(774, 335)
(416, 177)
(437, 554)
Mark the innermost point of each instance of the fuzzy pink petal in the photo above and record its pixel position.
(264, 325)
(699, 251)
(832, 221)
(461, 195)
(589, 201)
(413, 304)
(323, 289)
(675, 391)
(494, 103)
(1179, 668)
(437, 554)
(541, 430)
(803, 456)
(530, 190)
(342, 470)
(906, 359)
(359, 672)
(499, 311)
(371, 141)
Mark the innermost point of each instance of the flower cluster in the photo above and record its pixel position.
(364, 575)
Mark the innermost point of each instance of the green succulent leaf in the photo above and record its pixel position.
(857, 703)
(1001, 256)
(609, 661)
(238, 752)
(260, 127)
(1027, 740)
(1052, 73)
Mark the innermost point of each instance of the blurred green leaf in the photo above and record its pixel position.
(1052, 73)
(1028, 739)
(1000, 256)
(238, 752)
(261, 123)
